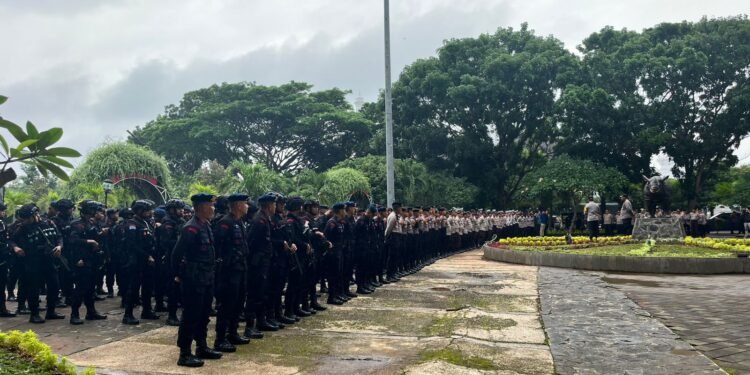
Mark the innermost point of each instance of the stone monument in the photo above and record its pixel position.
(658, 228)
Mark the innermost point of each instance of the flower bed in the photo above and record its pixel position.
(626, 246)
(561, 241)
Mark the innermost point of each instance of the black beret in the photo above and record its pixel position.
(381, 209)
(372, 208)
(202, 198)
(338, 206)
(27, 210)
(323, 207)
(266, 198)
(310, 203)
(3, 207)
(237, 197)
(396, 204)
(350, 204)
(441, 209)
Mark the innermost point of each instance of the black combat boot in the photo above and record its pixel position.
(223, 345)
(204, 352)
(52, 315)
(264, 325)
(236, 339)
(317, 306)
(187, 359)
(94, 315)
(251, 330)
(35, 318)
(75, 318)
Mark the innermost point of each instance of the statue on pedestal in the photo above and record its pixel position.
(656, 192)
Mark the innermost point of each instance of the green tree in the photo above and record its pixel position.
(254, 179)
(570, 180)
(414, 183)
(732, 187)
(341, 183)
(197, 188)
(35, 149)
(119, 160)
(286, 128)
(482, 108)
(697, 81)
(603, 117)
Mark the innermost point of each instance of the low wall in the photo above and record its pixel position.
(620, 263)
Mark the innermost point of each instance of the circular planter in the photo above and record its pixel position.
(701, 266)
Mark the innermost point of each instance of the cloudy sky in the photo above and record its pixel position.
(100, 67)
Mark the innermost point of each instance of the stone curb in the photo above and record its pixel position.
(700, 266)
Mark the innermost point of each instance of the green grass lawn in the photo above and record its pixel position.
(13, 363)
(660, 250)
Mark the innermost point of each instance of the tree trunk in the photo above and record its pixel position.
(575, 215)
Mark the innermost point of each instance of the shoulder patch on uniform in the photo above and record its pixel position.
(132, 227)
(290, 221)
(224, 226)
(192, 230)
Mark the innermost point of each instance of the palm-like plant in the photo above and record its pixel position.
(34, 148)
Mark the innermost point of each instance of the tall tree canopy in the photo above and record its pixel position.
(697, 79)
(482, 108)
(603, 117)
(681, 88)
(286, 128)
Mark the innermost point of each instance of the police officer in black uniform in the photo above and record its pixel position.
(62, 221)
(84, 257)
(110, 273)
(230, 233)
(282, 264)
(140, 254)
(167, 234)
(320, 247)
(38, 246)
(5, 259)
(363, 240)
(194, 262)
(259, 262)
(296, 303)
(335, 233)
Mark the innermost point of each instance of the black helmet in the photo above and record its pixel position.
(89, 207)
(294, 203)
(27, 210)
(141, 205)
(175, 203)
(64, 204)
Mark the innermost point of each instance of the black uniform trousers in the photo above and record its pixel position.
(140, 279)
(232, 293)
(3, 284)
(196, 303)
(84, 286)
(35, 274)
(334, 272)
(258, 284)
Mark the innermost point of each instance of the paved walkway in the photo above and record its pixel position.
(595, 329)
(462, 315)
(66, 339)
(710, 312)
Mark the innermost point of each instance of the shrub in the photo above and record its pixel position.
(28, 345)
